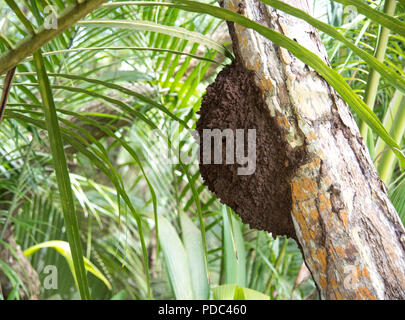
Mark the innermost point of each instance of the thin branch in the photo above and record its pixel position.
(6, 90)
(32, 43)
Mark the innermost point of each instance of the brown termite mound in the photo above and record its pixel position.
(262, 199)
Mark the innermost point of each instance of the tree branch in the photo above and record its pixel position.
(351, 236)
(30, 44)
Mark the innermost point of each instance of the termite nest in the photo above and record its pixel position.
(263, 198)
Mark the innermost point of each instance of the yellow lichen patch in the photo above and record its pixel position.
(343, 217)
(267, 84)
(314, 214)
(299, 218)
(315, 162)
(310, 135)
(286, 122)
(299, 210)
(330, 220)
(297, 191)
(231, 6)
(340, 251)
(324, 203)
(333, 283)
(257, 66)
(248, 65)
(304, 188)
(338, 296)
(321, 258)
(261, 87)
(365, 273)
(358, 270)
(320, 154)
(323, 282)
(240, 29)
(366, 294)
(309, 185)
(304, 206)
(326, 181)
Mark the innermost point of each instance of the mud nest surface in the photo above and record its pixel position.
(262, 199)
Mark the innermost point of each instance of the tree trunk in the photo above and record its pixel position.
(13, 256)
(351, 237)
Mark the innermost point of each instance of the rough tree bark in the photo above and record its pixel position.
(13, 256)
(351, 236)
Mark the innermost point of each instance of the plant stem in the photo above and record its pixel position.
(374, 76)
(387, 163)
(276, 265)
(32, 43)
